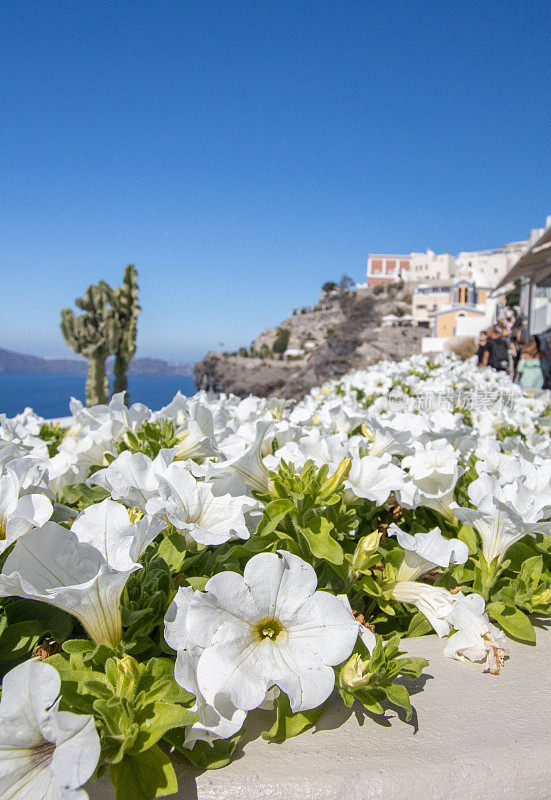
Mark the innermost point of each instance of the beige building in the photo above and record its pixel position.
(429, 298)
(454, 308)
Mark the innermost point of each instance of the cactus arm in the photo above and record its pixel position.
(92, 335)
(126, 308)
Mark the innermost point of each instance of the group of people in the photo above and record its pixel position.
(505, 349)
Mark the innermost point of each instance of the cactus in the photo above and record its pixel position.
(93, 335)
(126, 310)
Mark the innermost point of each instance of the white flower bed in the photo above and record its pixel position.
(174, 570)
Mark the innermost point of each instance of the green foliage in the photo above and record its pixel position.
(144, 602)
(512, 298)
(307, 513)
(288, 724)
(53, 434)
(281, 341)
(150, 438)
(26, 623)
(371, 678)
(505, 431)
(79, 496)
(205, 755)
(134, 705)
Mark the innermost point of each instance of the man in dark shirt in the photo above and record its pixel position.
(496, 352)
(482, 342)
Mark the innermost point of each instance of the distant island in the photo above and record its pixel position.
(155, 367)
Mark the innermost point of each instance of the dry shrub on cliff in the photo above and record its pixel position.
(463, 346)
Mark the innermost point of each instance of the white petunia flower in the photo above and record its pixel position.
(45, 754)
(374, 478)
(218, 721)
(20, 509)
(133, 477)
(493, 462)
(393, 435)
(317, 447)
(51, 565)
(268, 628)
(424, 551)
(244, 472)
(432, 601)
(433, 471)
(476, 638)
(108, 528)
(504, 515)
(191, 506)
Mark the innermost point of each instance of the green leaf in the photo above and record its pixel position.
(204, 755)
(18, 640)
(370, 699)
(419, 625)
(513, 622)
(322, 545)
(468, 535)
(158, 718)
(531, 570)
(172, 550)
(399, 696)
(274, 512)
(288, 724)
(82, 496)
(144, 776)
(78, 646)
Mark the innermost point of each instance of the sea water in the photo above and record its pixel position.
(49, 394)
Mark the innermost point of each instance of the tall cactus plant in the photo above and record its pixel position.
(108, 326)
(126, 309)
(92, 335)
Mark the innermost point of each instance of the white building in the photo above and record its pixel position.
(493, 265)
(431, 266)
(490, 266)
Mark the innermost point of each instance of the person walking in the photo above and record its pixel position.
(496, 352)
(532, 368)
(482, 342)
(517, 343)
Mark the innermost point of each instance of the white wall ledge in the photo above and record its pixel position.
(471, 736)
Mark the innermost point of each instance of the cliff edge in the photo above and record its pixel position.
(343, 331)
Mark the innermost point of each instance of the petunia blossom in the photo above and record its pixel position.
(424, 551)
(20, 509)
(191, 506)
(269, 628)
(51, 565)
(45, 753)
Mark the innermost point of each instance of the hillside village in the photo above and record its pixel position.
(421, 302)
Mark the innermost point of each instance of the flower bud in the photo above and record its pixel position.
(352, 675)
(341, 474)
(128, 673)
(365, 549)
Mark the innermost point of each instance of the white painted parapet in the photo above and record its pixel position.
(471, 736)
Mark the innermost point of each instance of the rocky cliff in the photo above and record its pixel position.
(344, 332)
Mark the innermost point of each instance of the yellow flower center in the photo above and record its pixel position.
(268, 628)
(3, 526)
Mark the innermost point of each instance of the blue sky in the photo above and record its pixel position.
(242, 153)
